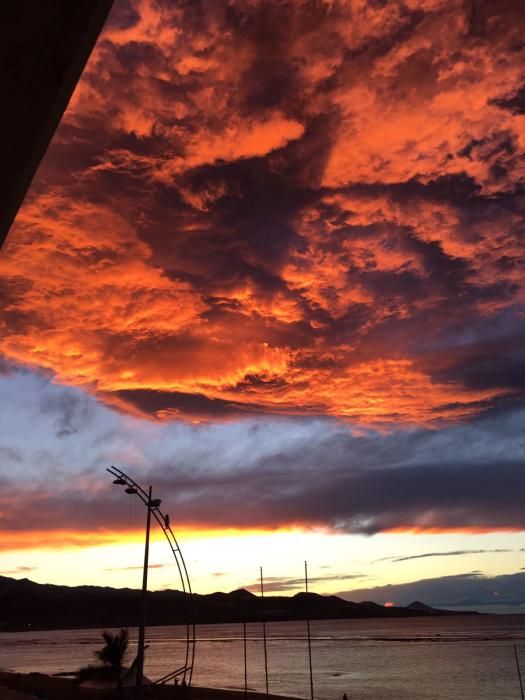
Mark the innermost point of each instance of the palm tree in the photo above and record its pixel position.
(113, 652)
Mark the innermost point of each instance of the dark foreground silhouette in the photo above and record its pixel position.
(27, 605)
(67, 689)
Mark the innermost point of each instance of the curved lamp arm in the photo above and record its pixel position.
(132, 488)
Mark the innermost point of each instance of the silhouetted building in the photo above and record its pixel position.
(44, 46)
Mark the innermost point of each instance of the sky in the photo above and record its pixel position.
(272, 264)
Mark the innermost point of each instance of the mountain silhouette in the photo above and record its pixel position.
(25, 604)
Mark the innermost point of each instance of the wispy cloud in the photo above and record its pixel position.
(454, 553)
(281, 583)
(133, 568)
(18, 570)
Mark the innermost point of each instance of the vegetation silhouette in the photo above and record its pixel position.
(112, 656)
(113, 652)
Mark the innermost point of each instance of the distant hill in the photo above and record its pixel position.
(28, 605)
(422, 608)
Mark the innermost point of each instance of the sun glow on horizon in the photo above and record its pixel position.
(225, 562)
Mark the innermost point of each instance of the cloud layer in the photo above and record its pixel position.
(300, 207)
(253, 474)
(504, 593)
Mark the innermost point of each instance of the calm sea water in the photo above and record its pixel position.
(456, 658)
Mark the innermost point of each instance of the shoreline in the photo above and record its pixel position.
(22, 686)
(392, 618)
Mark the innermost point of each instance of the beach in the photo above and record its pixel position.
(21, 686)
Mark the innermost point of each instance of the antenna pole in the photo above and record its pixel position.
(519, 672)
(245, 663)
(308, 633)
(264, 637)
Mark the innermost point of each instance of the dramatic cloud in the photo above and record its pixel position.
(273, 264)
(272, 473)
(299, 207)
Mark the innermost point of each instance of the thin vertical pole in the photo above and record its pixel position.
(308, 633)
(142, 628)
(245, 663)
(264, 637)
(519, 671)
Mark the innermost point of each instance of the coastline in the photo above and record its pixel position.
(22, 686)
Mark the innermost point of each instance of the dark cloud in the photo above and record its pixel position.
(420, 496)
(277, 473)
(175, 403)
(6, 367)
(71, 412)
(483, 363)
(469, 590)
(515, 102)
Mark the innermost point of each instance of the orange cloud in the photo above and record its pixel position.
(60, 538)
(239, 211)
(244, 141)
(452, 530)
(57, 539)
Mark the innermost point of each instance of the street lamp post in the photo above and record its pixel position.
(144, 600)
(152, 506)
(150, 503)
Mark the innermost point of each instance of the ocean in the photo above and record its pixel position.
(463, 657)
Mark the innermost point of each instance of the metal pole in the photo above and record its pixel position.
(142, 628)
(264, 637)
(123, 479)
(519, 671)
(245, 663)
(308, 633)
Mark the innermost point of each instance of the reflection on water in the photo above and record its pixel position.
(467, 658)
